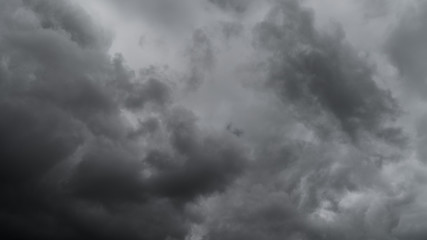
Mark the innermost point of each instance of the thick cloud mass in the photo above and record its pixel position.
(72, 166)
(313, 69)
(232, 120)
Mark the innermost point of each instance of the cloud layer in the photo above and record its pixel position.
(214, 119)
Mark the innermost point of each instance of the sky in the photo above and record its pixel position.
(213, 119)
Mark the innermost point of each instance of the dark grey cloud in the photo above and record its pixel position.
(45, 136)
(92, 149)
(106, 173)
(151, 91)
(210, 163)
(322, 71)
(69, 18)
(72, 166)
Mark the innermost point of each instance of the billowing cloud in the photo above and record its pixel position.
(213, 119)
(319, 70)
(74, 163)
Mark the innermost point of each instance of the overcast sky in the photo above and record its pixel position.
(213, 119)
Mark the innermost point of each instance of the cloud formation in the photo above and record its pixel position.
(259, 124)
(70, 169)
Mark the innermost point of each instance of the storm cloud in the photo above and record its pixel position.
(212, 119)
(67, 158)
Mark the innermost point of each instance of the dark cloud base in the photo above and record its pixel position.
(70, 166)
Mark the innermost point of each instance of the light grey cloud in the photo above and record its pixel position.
(407, 50)
(237, 6)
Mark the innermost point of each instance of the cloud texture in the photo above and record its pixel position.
(212, 120)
